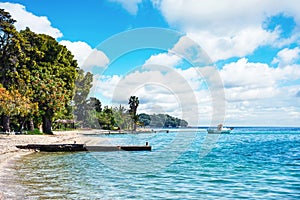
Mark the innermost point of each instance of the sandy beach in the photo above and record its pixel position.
(9, 152)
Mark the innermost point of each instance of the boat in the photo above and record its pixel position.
(220, 129)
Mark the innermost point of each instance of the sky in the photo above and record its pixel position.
(209, 62)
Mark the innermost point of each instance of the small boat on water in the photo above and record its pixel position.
(219, 130)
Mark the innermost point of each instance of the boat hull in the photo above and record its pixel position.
(218, 132)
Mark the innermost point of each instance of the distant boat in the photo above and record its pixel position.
(219, 130)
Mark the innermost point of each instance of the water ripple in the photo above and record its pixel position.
(260, 165)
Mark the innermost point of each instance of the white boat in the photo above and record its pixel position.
(219, 130)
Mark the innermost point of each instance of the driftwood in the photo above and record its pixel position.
(81, 147)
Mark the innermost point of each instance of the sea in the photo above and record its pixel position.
(249, 163)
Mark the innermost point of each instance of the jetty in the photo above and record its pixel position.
(81, 147)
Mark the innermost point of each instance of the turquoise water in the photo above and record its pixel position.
(254, 163)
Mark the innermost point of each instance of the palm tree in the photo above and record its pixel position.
(133, 104)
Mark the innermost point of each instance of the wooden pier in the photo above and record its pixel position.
(81, 147)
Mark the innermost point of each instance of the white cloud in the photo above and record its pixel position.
(244, 80)
(228, 28)
(258, 94)
(221, 17)
(130, 5)
(280, 110)
(104, 85)
(287, 56)
(80, 50)
(86, 57)
(96, 59)
(38, 24)
(225, 46)
(245, 74)
(191, 51)
(164, 59)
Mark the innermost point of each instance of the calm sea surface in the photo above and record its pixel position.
(254, 163)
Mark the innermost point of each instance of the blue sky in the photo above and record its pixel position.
(253, 46)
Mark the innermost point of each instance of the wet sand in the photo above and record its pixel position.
(9, 152)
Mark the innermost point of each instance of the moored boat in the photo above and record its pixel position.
(219, 130)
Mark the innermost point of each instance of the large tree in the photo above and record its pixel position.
(92, 109)
(10, 50)
(53, 71)
(83, 105)
(133, 105)
(39, 68)
(122, 117)
(106, 118)
(10, 56)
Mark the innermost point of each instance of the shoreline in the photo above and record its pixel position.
(8, 143)
(9, 153)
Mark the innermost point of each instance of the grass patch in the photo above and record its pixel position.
(35, 132)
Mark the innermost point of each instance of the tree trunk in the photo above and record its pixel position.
(6, 123)
(47, 122)
(21, 122)
(30, 125)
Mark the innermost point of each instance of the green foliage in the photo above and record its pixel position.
(11, 54)
(106, 118)
(122, 118)
(145, 119)
(12, 103)
(42, 71)
(161, 120)
(53, 71)
(87, 112)
(35, 132)
(83, 84)
(133, 104)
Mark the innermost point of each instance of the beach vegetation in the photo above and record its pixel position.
(35, 131)
(123, 118)
(133, 104)
(161, 121)
(37, 68)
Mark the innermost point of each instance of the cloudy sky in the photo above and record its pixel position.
(205, 61)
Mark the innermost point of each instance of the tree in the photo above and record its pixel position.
(51, 98)
(53, 71)
(9, 47)
(83, 84)
(145, 119)
(92, 108)
(39, 68)
(12, 103)
(157, 120)
(106, 118)
(10, 55)
(122, 117)
(133, 104)
(162, 120)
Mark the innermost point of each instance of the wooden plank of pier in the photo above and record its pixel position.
(81, 147)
